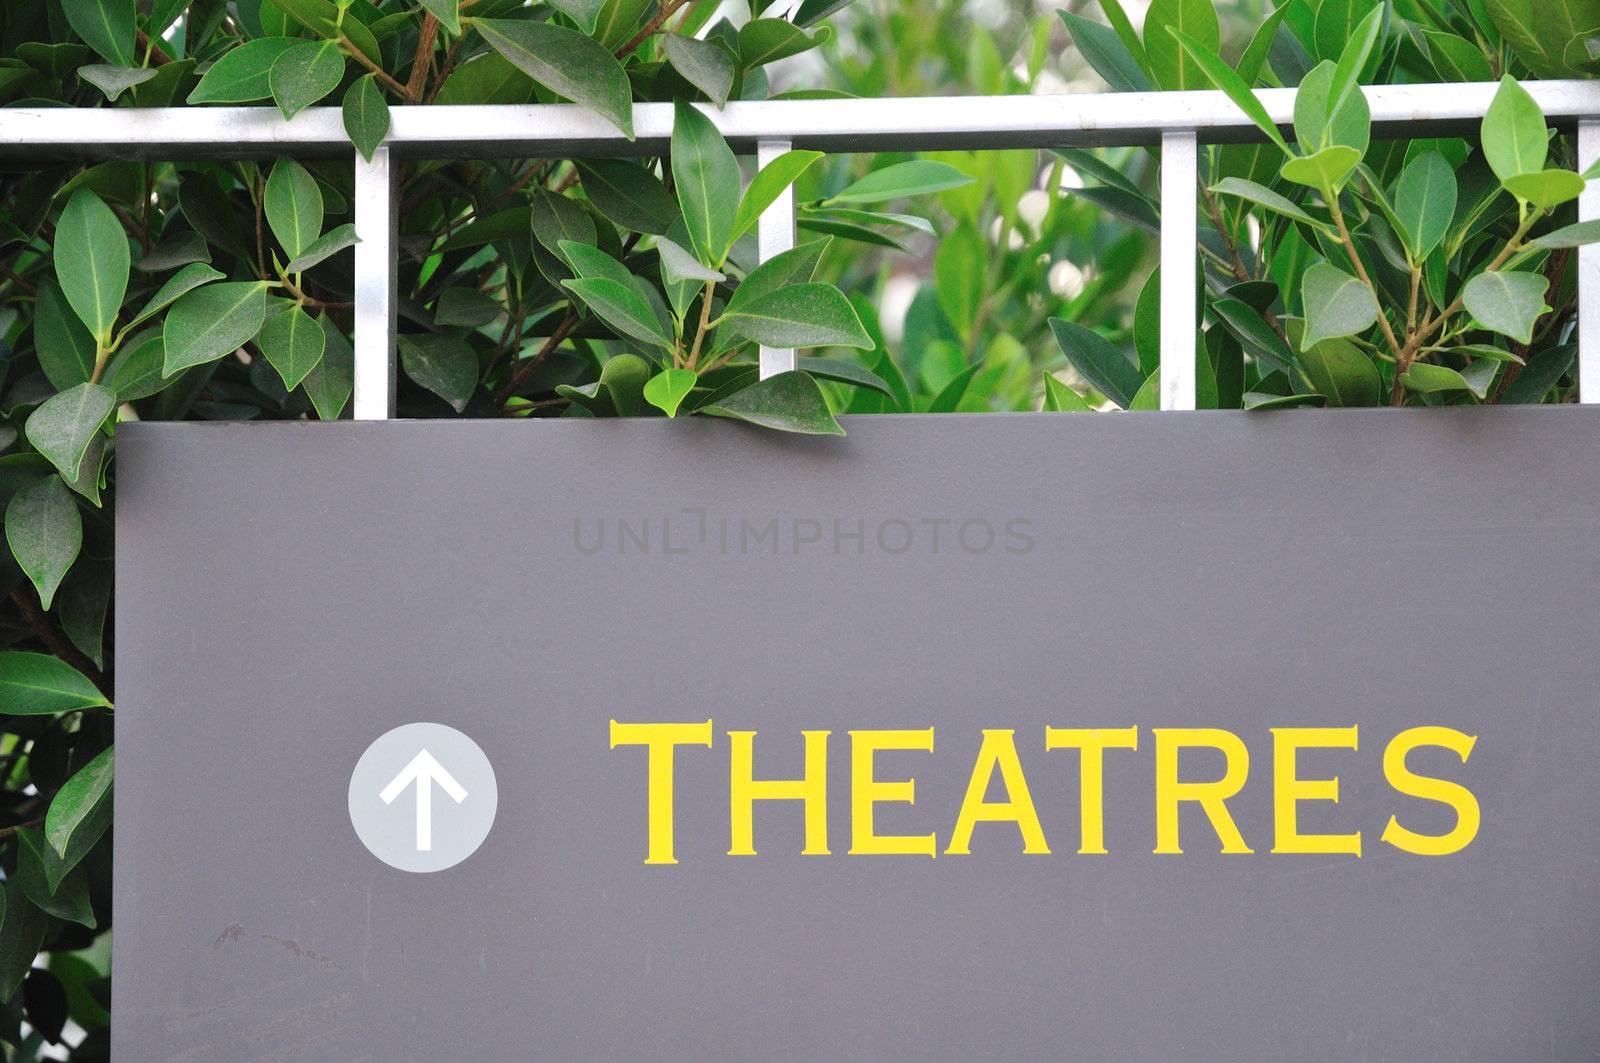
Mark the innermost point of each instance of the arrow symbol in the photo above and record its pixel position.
(426, 772)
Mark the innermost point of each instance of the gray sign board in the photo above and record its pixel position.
(1407, 602)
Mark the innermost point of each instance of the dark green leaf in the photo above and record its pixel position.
(1101, 364)
(1342, 372)
(213, 321)
(846, 373)
(1106, 54)
(708, 65)
(324, 247)
(63, 426)
(1544, 371)
(707, 181)
(629, 194)
(106, 26)
(304, 74)
(443, 364)
(1424, 203)
(45, 533)
(37, 684)
(243, 75)
(800, 315)
(788, 402)
(293, 343)
(63, 344)
(92, 262)
(83, 804)
(567, 63)
(366, 114)
(331, 382)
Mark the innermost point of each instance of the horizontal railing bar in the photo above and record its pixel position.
(926, 123)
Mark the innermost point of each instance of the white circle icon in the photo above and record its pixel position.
(423, 797)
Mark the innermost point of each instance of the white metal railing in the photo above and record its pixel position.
(1177, 122)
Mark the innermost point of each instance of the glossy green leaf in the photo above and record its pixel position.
(1507, 302)
(1223, 77)
(766, 40)
(1456, 58)
(795, 266)
(628, 194)
(38, 684)
(293, 204)
(324, 247)
(135, 372)
(917, 177)
(66, 350)
(1328, 168)
(678, 265)
(1357, 48)
(1336, 304)
(622, 307)
(767, 185)
(106, 26)
(567, 63)
(1255, 400)
(115, 80)
(331, 382)
(213, 321)
(82, 805)
(708, 65)
(1343, 373)
(92, 261)
(1106, 54)
(787, 402)
(366, 115)
(1426, 377)
(1515, 139)
(185, 280)
(45, 533)
(1424, 202)
(668, 388)
(1544, 371)
(1060, 398)
(243, 75)
(443, 364)
(1175, 68)
(48, 883)
(304, 74)
(63, 426)
(293, 343)
(1576, 235)
(1100, 363)
(843, 372)
(800, 315)
(707, 180)
(1545, 189)
(1263, 196)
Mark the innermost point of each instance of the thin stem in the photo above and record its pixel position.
(1361, 269)
(527, 368)
(705, 323)
(381, 74)
(419, 65)
(668, 9)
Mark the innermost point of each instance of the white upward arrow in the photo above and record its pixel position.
(425, 772)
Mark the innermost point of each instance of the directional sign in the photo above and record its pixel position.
(391, 797)
(1131, 737)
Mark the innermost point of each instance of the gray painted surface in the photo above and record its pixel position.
(1382, 568)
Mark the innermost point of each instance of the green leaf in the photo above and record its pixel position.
(1507, 302)
(83, 804)
(212, 321)
(1547, 188)
(1336, 304)
(366, 115)
(45, 533)
(1174, 67)
(243, 75)
(1540, 30)
(92, 262)
(47, 882)
(620, 305)
(1060, 398)
(37, 684)
(628, 194)
(1515, 139)
(1424, 203)
(668, 388)
(678, 265)
(766, 40)
(588, 261)
(1426, 377)
(1223, 77)
(801, 315)
(843, 372)
(293, 204)
(1107, 54)
(1255, 400)
(1544, 372)
(788, 402)
(330, 384)
(1118, 19)
(1455, 58)
(567, 63)
(766, 186)
(583, 12)
(917, 177)
(135, 372)
(707, 178)
(448, 12)
(81, 606)
(1358, 45)
(1329, 168)
(115, 80)
(1342, 372)
(949, 398)
(959, 277)
(1584, 232)
(624, 378)
(1263, 196)
(1318, 124)
(293, 343)
(106, 26)
(185, 280)
(62, 427)
(795, 266)
(1107, 369)
(66, 350)
(708, 65)
(324, 247)
(304, 74)
(443, 364)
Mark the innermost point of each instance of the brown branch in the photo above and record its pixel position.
(54, 641)
(526, 370)
(445, 70)
(668, 9)
(6, 832)
(379, 72)
(157, 56)
(419, 65)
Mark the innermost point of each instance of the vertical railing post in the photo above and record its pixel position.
(1589, 272)
(377, 257)
(1180, 160)
(774, 236)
